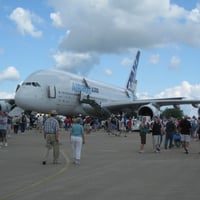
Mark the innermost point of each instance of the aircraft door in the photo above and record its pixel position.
(51, 91)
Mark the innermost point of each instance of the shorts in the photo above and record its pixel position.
(3, 133)
(185, 138)
(143, 138)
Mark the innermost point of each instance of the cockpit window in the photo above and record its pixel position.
(34, 84)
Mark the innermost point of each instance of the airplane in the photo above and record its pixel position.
(72, 95)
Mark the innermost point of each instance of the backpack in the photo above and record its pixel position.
(23, 118)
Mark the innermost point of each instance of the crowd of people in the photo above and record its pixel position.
(166, 133)
(169, 133)
(176, 132)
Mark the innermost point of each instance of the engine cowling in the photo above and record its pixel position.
(5, 106)
(148, 110)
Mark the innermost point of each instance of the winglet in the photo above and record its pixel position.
(132, 82)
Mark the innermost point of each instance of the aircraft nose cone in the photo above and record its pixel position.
(30, 98)
(20, 99)
(23, 98)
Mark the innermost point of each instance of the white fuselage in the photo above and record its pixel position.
(46, 90)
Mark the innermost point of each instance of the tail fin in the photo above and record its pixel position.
(132, 82)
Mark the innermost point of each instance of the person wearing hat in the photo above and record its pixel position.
(51, 134)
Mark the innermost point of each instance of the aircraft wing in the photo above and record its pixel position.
(10, 101)
(157, 103)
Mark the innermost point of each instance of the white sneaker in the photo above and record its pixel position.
(6, 144)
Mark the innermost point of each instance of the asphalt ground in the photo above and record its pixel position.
(111, 168)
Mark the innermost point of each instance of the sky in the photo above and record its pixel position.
(99, 39)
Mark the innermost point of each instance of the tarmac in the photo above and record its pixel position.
(110, 168)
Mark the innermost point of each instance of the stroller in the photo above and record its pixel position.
(177, 139)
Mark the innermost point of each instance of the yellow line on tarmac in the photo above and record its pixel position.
(38, 183)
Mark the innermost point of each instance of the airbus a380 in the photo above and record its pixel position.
(70, 94)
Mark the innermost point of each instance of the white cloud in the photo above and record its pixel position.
(75, 62)
(126, 62)
(184, 90)
(194, 15)
(5, 95)
(154, 59)
(56, 20)
(112, 27)
(175, 12)
(10, 73)
(108, 72)
(24, 20)
(175, 62)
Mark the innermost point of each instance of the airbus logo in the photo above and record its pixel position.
(77, 87)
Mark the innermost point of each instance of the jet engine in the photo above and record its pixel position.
(5, 106)
(148, 110)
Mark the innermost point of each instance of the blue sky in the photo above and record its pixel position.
(99, 39)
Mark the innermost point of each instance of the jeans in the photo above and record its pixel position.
(168, 139)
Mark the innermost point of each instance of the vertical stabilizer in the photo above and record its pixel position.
(132, 82)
